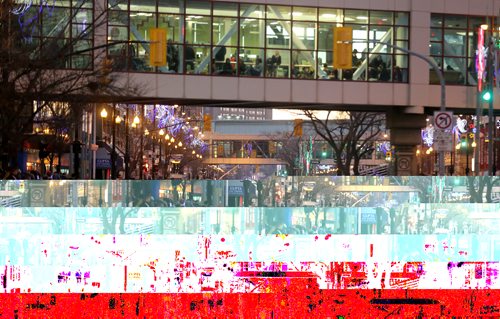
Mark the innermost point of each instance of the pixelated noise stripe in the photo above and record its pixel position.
(248, 277)
(301, 302)
(129, 249)
(188, 263)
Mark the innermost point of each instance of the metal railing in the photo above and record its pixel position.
(380, 170)
(14, 201)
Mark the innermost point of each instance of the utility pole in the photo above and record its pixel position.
(141, 155)
(127, 155)
(113, 150)
(489, 78)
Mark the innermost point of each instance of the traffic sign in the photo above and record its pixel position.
(443, 120)
(443, 123)
(102, 163)
(443, 141)
(404, 163)
(315, 161)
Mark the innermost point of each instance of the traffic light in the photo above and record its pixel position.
(463, 142)
(342, 47)
(388, 156)
(297, 127)
(486, 95)
(158, 47)
(207, 123)
(324, 151)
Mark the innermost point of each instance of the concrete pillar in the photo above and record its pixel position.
(405, 137)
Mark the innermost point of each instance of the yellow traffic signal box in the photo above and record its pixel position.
(342, 47)
(158, 47)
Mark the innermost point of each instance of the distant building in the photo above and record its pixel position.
(239, 113)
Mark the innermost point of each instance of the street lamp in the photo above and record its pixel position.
(126, 120)
(104, 113)
(161, 132)
(118, 120)
(127, 156)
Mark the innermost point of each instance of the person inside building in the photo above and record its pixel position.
(190, 57)
(172, 56)
(273, 63)
(117, 52)
(256, 70)
(356, 62)
(398, 75)
(242, 68)
(384, 74)
(226, 68)
(220, 56)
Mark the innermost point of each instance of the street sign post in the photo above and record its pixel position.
(443, 141)
(403, 163)
(443, 137)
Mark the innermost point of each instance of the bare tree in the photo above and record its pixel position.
(351, 137)
(118, 215)
(56, 123)
(288, 150)
(481, 188)
(42, 63)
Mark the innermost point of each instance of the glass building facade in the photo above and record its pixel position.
(256, 40)
(64, 26)
(453, 45)
(251, 40)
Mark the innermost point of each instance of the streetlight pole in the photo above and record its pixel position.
(127, 175)
(141, 161)
(104, 114)
(441, 81)
(489, 78)
(94, 128)
(159, 157)
(153, 141)
(113, 151)
(467, 148)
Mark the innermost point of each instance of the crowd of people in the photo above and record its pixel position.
(14, 173)
(233, 64)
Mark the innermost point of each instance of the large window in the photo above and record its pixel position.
(453, 46)
(61, 34)
(256, 40)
